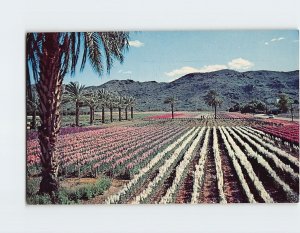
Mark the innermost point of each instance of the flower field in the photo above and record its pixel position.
(281, 130)
(226, 160)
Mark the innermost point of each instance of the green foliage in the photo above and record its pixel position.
(39, 199)
(235, 108)
(170, 100)
(253, 106)
(212, 99)
(74, 92)
(283, 103)
(64, 197)
(68, 196)
(32, 186)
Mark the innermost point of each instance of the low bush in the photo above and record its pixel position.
(68, 196)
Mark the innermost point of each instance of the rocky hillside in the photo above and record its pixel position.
(233, 87)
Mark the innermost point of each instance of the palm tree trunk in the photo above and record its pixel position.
(120, 117)
(292, 112)
(49, 89)
(131, 110)
(172, 107)
(126, 117)
(103, 115)
(77, 114)
(215, 111)
(91, 115)
(34, 119)
(111, 114)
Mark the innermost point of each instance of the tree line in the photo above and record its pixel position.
(212, 99)
(283, 103)
(80, 96)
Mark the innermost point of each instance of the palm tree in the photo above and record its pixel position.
(291, 102)
(120, 104)
(50, 56)
(131, 102)
(126, 105)
(171, 101)
(111, 103)
(212, 99)
(283, 102)
(91, 100)
(75, 93)
(102, 101)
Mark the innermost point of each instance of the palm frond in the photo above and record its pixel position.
(94, 52)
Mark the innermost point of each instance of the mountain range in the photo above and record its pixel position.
(189, 90)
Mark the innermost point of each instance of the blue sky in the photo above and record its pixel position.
(166, 56)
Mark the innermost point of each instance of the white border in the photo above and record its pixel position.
(18, 17)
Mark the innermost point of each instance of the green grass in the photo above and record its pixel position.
(66, 196)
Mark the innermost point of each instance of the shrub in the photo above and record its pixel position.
(32, 186)
(39, 199)
(65, 196)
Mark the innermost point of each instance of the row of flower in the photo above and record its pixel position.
(243, 143)
(63, 131)
(182, 170)
(218, 163)
(156, 163)
(200, 170)
(246, 165)
(237, 167)
(267, 146)
(289, 133)
(66, 142)
(165, 170)
(262, 157)
(125, 150)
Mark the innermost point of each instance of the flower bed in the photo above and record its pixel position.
(115, 150)
(63, 131)
(288, 132)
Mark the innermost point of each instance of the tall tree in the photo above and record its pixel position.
(283, 103)
(103, 97)
(171, 101)
(120, 105)
(50, 56)
(91, 100)
(111, 103)
(292, 108)
(131, 102)
(75, 93)
(126, 100)
(212, 99)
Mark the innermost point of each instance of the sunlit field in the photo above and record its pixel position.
(193, 158)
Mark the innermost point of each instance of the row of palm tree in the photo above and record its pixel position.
(80, 96)
(212, 99)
